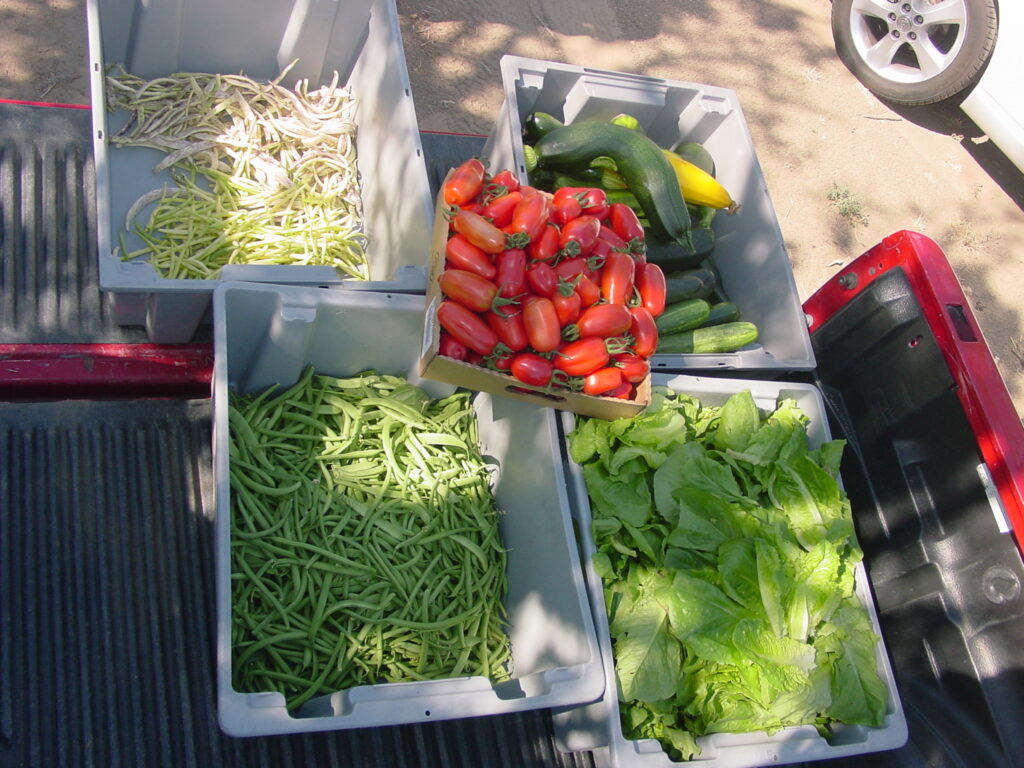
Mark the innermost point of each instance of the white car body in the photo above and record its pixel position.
(997, 102)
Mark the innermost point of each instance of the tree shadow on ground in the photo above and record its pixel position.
(947, 118)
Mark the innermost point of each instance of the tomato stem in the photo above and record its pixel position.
(568, 287)
(571, 249)
(616, 345)
(493, 191)
(516, 240)
(560, 379)
(499, 301)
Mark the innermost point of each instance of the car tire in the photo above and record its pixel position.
(880, 43)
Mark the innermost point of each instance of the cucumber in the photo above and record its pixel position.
(690, 284)
(679, 287)
(707, 277)
(683, 256)
(643, 165)
(623, 196)
(696, 154)
(722, 312)
(529, 158)
(538, 124)
(682, 316)
(718, 294)
(727, 337)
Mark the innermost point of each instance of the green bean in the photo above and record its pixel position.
(244, 480)
(216, 124)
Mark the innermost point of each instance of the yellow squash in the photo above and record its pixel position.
(698, 186)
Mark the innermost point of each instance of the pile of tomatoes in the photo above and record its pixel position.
(552, 289)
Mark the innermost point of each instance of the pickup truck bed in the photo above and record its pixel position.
(106, 563)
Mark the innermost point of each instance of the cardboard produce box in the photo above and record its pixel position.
(440, 368)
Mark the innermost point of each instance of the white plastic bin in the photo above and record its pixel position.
(597, 726)
(360, 40)
(749, 253)
(268, 334)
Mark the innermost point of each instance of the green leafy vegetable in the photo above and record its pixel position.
(727, 551)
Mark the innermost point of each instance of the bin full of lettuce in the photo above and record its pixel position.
(727, 554)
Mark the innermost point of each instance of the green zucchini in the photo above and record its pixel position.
(641, 162)
(696, 154)
(541, 178)
(627, 121)
(625, 196)
(722, 312)
(682, 316)
(701, 215)
(715, 339)
(587, 177)
(538, 124)
(718, 294)
(682, 255)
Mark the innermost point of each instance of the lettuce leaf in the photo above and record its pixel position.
(647, 659)
(811, 501)
(859, 697)
(738, 423)
(704, 521)
(828, 456)
(773, 583)
(624, 496)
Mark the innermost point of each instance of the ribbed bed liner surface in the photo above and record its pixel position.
(107, 616)
(49, 270)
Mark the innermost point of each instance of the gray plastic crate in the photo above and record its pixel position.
(268, 334)
(750, 253)
(597, 726)
(360, 40)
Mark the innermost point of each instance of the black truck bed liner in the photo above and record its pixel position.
(106, 563)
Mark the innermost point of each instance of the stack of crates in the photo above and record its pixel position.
(751, 259)
(269, 323)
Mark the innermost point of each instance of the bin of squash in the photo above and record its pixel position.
(672, 197)
(680, 152)
(541, 296)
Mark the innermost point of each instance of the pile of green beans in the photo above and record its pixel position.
(364, 539)
(262, 174)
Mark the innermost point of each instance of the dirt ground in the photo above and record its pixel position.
(843, 169)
